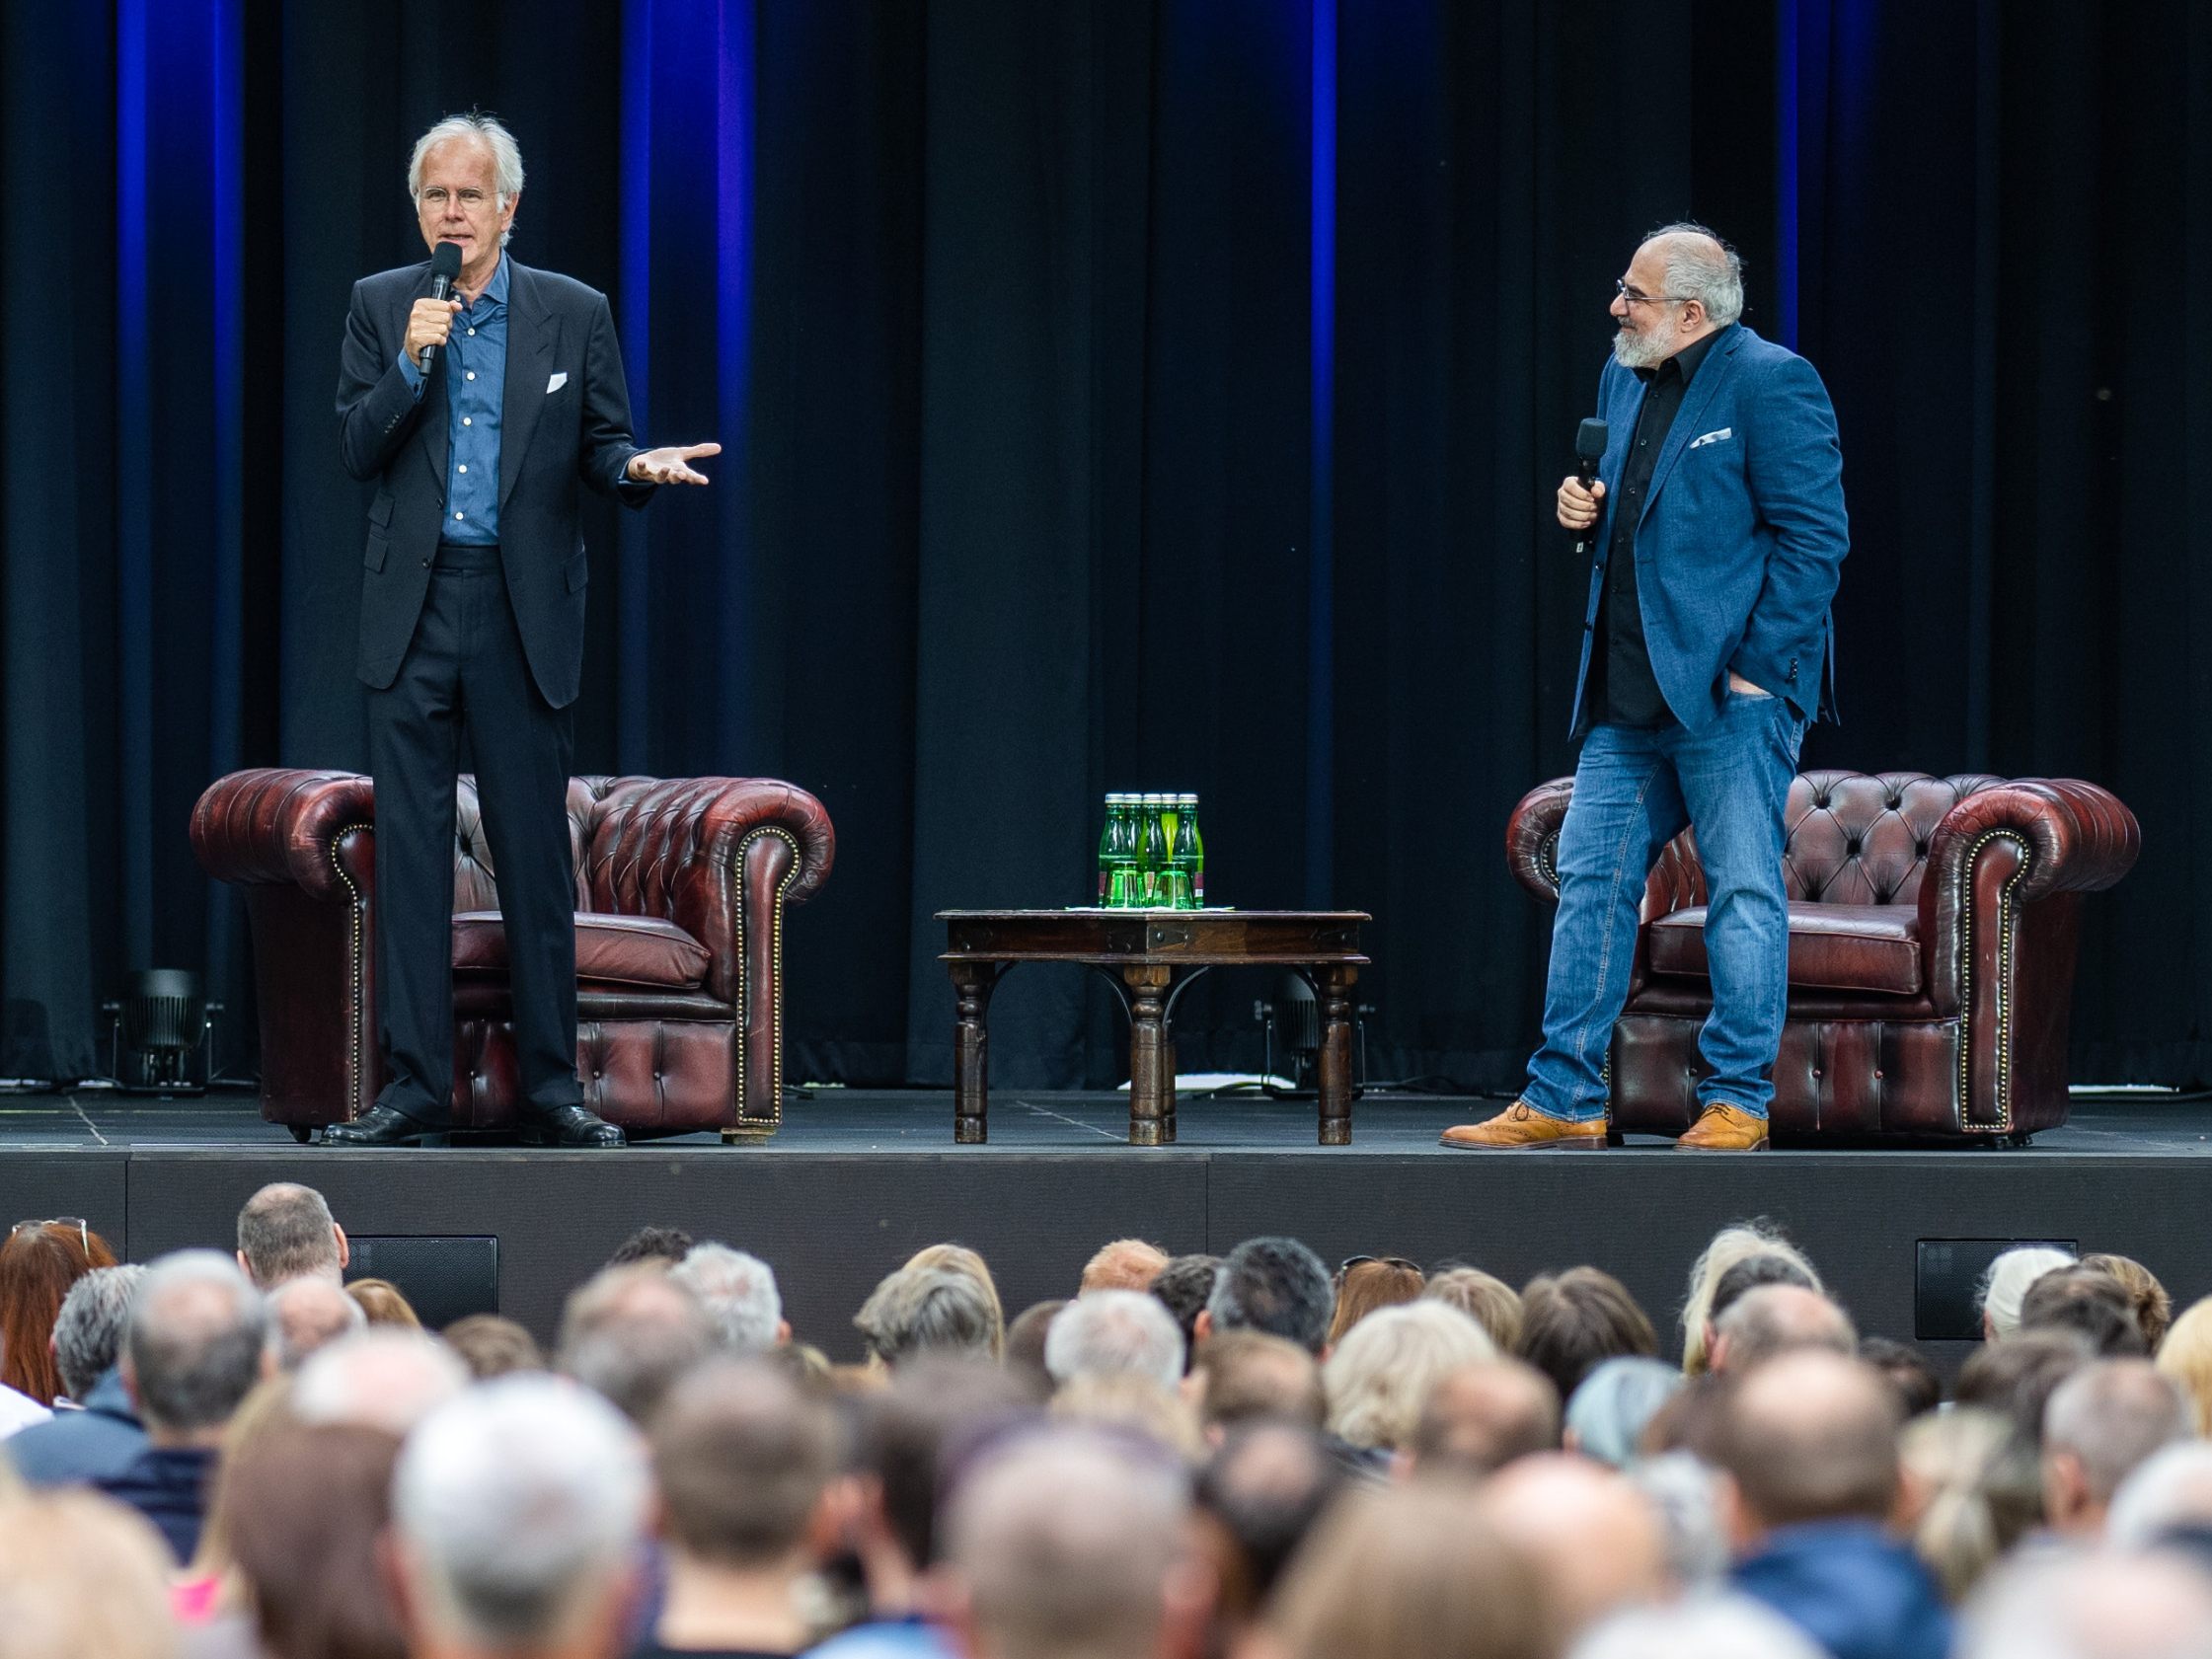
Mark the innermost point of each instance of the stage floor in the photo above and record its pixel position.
(857, 1180)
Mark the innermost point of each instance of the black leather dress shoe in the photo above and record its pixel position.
(571, 1126)
(385, 1126)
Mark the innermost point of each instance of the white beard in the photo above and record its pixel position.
(1643, 350)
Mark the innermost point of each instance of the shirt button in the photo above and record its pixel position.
(465, 421)
(472, 372)
(456, 515)
(464, 465)
(472, 331)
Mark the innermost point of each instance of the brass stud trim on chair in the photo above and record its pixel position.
(2007, 913)
(744, 1001)
(353, 990)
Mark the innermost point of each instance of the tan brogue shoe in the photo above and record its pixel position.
(1520, 1127)
(1722, 1128)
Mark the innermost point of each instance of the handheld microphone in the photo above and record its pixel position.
(445, 266)
(1590, 450)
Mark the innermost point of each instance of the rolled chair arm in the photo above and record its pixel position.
(280, 825)
(1532, 838)
(2078, 838)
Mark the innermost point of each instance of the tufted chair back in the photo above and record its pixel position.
(476, 877)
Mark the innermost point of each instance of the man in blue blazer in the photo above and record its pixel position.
(1718, 521)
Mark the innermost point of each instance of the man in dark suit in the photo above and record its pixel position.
(1718, 521)
(471, 615)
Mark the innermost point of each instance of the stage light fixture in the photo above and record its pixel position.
(1293, 1013)
(161, 1035)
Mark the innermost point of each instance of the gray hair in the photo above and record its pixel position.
(1703, 268)
(1381, 1375)
(517, 1505)
(286, 1231)
(1616, 1403)
(2112, 1416)
(88, 1332)
(2170, 1488)
(2046, 1603)
(928, 1310)
(1115, 1333)
(306, 1315)
(739, 1291)
(2005, 1286)
(388, 1378)
(1773, 1319)
(506, 155)
(1713, 1625)
(193, 1343)
(628, 1333)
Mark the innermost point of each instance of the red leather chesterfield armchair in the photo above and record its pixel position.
(1931, 939)
(682, 885)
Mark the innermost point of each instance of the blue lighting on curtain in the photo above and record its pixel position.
(733, 147)
(1785, 173)
(1320, 675)
(1824, 96)
(134, 446)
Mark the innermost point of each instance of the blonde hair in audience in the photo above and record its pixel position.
(267, 1406)
(2184, 1359)
(2154, 1308)
(1380, 1376)
(1123, 1264)
(82, 1578)
(1483, 1297)
(1732, 1245)
(1971, 1489)
(381, 1301)
(958, 1258)
(1126, 1401)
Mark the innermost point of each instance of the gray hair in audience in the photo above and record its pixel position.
(1775, 1318)
(2005, 1286)
(308, 1315)
(88, 1332)
(1721, 1625)
(2169, 1489)
(2112, 1416)
(1111, 1332)
(194, 1343)
(517, 1507)
(390, 1378)
(1683, 1492)
(1615, 1403)
(286, 1231)
(928, 1310)
(739, 1291)
(628, 1333)
(2053, 1605)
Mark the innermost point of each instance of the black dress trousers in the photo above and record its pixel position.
(466, 668)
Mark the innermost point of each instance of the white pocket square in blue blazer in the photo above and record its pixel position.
(562, 379)
(1720, 436)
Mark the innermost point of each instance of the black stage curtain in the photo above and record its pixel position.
(1048, 477)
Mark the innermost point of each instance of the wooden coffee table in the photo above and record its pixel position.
(1149, 957)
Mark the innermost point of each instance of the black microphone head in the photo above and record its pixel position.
(445, 262)
(1590, 441)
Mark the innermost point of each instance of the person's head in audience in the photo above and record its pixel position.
(2094, 1304)
(194, 1347)
(1064, 1546)
(88, 1332)
(1367, 1283)
(1247, 1377)
(1969, 1490)
(1719, 1626)
(1615, 1404)
(1258, 1498)
(1730, 1245)
(738, 1293)
(286, 1231)
(1380, 1376)
(1123, 1264)
(1690, 1420)
(2090, 1605)
(82, 1578)
(1125, 1402)
(517, 1510)
(302, 1509)
(1752, 1272)
(1685, 1495)
(628, 1333)
(383, 1304)
(648, 1245)
(389, 1379)
(491, 1346)
(2017, 1375)
(1483, 1297)
(2101, 1424)
(1572, 1322)
(309, 1314)
(2005, 1285)
(1183, 1287)
(1919, 1389)
(1808, 1436)
(1275, 1285)
(1026, 1338)
(1772, 1319)
(928, 1311)
(958, 1258)
(1482, 1416)
(2154, 1308)
(1115, 1333)
(2171, 1491)
(2184, 1357)
(741, 1459)
(1594, 1537)
(41, 1262)
(1412, 1571)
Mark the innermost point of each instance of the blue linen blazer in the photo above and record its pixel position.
(1742, 536)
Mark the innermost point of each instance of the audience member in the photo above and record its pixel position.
(928, 1311)
(1258, 1499)
(1809, 1446)
(1114, 1332)
(1728, 1247)
(39, 1263)
(2005, 1283)
(2154, 1308)
(304, 1509)
(81, 1579)
(104, 1436)
(739, 1295)
(382, 1303)
(2170, 1492)
(1483, 1297)
(1123, 1264)
(2184, 1358)
(1183, 1287)
(2101, 1423)
(1766, 1268)
(286, 1231)
(958, 1258)
(2094, 1304)
(387, 1377)
(1969, 1490)
(1919, 1389)
(1684, 1495)
(2091, 1607)
(517, 1510)
(741, 1459)
(1367, 1283)
(1615, 1404)
(1709, 1627)
(309, 1314)
(2017, 1375)
(1275, 1285)
(1247, 1377)
(1382, 1373)
(1026, 1338)
(1573, 1321)
(1773, 1319)
(491, 1346)
(208, 1592)
(194, 1348)
(1593, 1539)
(1125, 1402)
(628, 1333)
(652, 1246)
(1482, 1416)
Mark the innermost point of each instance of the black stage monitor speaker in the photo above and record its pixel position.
(1949, 1274)
(443, 1279)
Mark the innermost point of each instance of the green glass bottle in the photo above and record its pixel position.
(1189, 852)
(1109, 844)
(1152, 846)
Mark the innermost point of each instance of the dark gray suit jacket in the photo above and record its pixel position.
(549, 443)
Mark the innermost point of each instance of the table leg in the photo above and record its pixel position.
(1152, 1083)
(1334, 983)
(972, 984)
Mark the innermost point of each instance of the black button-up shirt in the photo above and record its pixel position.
(1623, 691)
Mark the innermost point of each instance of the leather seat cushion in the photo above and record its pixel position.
(1832, 946)
(640, 950)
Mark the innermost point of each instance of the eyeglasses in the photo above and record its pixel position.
(1397, 1261)
(1634, 298)
(84, 1232)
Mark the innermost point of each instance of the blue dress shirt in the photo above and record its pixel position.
(476, 380)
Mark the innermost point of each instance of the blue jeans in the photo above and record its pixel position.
(1635, 791)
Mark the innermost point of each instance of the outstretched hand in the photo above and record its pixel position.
(670, 465)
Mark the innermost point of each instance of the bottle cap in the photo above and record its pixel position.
(1187, 800)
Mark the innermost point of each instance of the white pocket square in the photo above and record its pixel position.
(562, 379)
(1713, 437)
